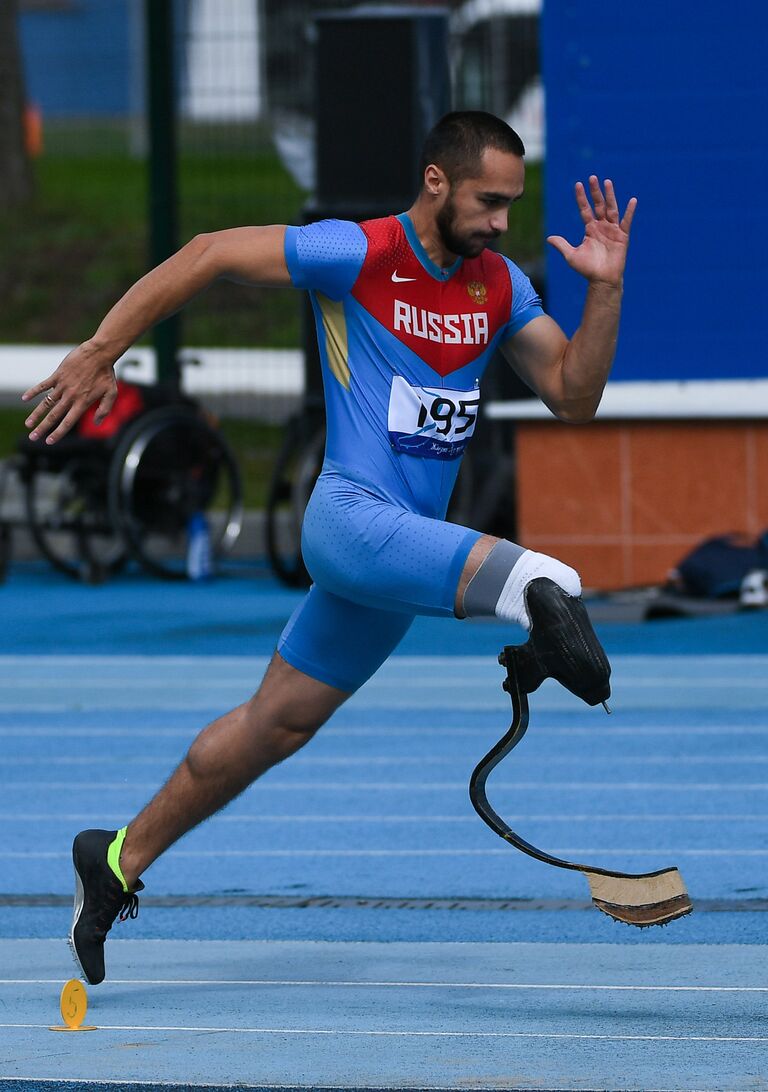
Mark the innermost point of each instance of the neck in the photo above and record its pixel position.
(422, 217)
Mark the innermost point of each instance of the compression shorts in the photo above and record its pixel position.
(375, 567)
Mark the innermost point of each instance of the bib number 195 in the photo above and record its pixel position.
(431, 422)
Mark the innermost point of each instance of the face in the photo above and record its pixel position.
(474, 212)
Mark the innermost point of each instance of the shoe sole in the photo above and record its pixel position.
(76, 912)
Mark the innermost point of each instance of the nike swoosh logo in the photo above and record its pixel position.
(398, 280)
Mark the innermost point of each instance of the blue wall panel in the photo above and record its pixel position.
(669, 99)
(76, 60)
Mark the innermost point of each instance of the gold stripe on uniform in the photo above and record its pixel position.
(336, 347)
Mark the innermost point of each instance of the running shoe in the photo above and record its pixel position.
(101, 895)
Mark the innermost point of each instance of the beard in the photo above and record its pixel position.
(466, 245)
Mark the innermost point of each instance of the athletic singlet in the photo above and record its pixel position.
(403, 345)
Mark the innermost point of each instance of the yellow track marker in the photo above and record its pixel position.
(73, 1005)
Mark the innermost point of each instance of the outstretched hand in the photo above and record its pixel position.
(81, 379)
(602, 254)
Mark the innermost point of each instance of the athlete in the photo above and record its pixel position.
(409, 310)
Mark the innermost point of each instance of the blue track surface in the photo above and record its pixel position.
(101, 691)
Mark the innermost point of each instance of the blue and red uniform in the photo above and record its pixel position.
(403, 345)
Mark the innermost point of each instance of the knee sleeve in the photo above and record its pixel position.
(498, 586)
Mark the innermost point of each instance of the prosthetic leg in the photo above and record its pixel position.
(562, 645)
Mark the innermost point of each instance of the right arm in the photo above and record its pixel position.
(248, 255)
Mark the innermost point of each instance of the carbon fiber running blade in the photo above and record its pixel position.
(643, 899)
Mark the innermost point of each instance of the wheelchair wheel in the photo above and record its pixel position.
(169, 466)
(293, 479)
(68, 517)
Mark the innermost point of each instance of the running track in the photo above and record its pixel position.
(349, 922)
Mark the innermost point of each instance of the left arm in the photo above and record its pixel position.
(569, 375)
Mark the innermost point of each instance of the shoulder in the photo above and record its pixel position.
(325, 255)
(516, 275)
(327, 237)
(385, 235)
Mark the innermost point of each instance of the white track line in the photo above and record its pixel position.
(570, 852)
(368, 762)
(452, 679)
(140, 698)
(268, 784)
(388, 731)
(292, 818)
(358, 1032)
(386, 984)
(49, 1082)
(457, 671)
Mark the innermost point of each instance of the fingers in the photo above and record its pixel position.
(626, 221)
(63, 419)
(43, 385)
(599, 206)
(83, 378)
(47, 415)
(585, 209)
(605, 208)
(597, 197)
(611, 208)
(55, 415)
(42, 408)
(562, 245)
(48, 412)
(105, 405)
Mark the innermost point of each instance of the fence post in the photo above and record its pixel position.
(163, 203)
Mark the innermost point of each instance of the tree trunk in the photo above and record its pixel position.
(15, 171)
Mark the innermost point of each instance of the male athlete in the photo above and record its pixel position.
(409, 311)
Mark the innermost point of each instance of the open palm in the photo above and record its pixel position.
(602, 254)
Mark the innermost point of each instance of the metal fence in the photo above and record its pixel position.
(244, 109)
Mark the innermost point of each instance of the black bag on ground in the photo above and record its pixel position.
(716, 568)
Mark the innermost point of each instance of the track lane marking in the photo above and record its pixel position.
(293, 818)
(52, 855)
(385, 984)
(360, 1032)
(267, 784)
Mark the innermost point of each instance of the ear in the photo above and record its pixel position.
(435, 181)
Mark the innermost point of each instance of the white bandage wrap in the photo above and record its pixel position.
(511, 602)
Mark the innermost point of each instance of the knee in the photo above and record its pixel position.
(286, 719)
(248, 741)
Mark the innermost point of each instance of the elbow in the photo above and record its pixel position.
(200, 245)
(576, 412)
(204, 257)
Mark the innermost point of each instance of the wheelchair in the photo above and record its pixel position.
(100, 498)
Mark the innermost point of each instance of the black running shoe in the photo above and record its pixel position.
(100, 896)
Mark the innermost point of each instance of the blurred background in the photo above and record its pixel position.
(128, 126)
(244, 101)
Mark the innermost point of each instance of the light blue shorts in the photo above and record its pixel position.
(375, 567)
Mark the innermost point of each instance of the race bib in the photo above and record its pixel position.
(431, 422)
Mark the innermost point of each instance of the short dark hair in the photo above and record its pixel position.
(457, 142)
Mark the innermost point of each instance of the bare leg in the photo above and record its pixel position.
(227, 756)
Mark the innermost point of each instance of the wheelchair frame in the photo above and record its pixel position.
(91, 505)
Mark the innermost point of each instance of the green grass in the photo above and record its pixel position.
(81, 241)
(11, 428)
(255, 445)
(524, 241)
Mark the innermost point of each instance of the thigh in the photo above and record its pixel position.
(338, 642)
(377, 554)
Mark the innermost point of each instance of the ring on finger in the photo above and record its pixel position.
(50, 399)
